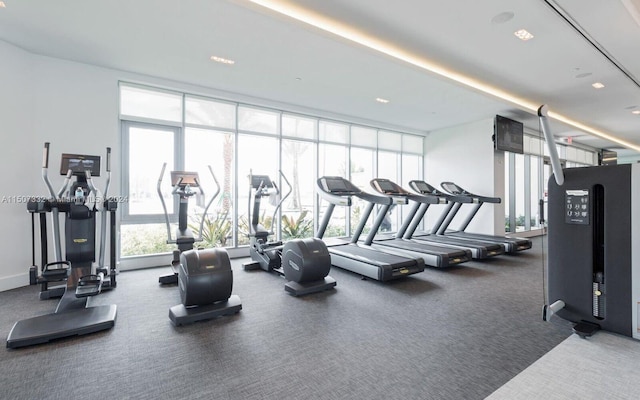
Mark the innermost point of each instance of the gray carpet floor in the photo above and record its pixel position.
(459, 333)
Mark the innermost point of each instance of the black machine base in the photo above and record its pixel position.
(171, 279)
(300, 289)
(585, 329)
(44, 328)
(251, 266)
(181, 315)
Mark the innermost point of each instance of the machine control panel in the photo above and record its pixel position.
(577, 207)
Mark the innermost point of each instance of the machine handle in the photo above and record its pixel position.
(45, 168)
(204, 213)
(108, 159)
(553, 151)
(45, 156)
(164, 206)
(108, 183)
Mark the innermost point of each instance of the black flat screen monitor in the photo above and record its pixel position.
(608, 157)
(79, 163)
(508, 135)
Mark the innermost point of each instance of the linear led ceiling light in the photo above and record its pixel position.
(381, 100)
(597, 85)
(347, 32)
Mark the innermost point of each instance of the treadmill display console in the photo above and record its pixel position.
(385, 187)
(453, 189)
(336, 185)
(423, 187)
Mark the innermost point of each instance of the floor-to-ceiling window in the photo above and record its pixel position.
(333, 160)
(224, 142)
(299, 153)
(526, 177)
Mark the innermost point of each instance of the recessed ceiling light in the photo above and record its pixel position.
(597, 85)
(381, 100)
(636, 112)
(523, 34)
(502, 17)
(2, 5)
(222, 60)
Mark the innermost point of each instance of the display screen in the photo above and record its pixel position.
(184, 178)
(451, 188)
(257, 180)
(386, 186)
(79, 163)
(422, 187)
(336, 185)
(508, 135)
(608, 157)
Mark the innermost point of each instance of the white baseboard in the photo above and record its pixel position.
(14, 281)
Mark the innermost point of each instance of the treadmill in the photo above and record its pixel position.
(511, 244)
(346, 253)
(434, 255)
(479, 249)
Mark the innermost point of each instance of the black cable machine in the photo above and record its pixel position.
(304, 263)
(457, 197)
(72, 277)
(346, 253)
(439, 256)
(204, 276)
(593, 270)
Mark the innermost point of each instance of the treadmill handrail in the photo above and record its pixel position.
(435, 192)
(476, 197)
(401, 192)
(338, 198)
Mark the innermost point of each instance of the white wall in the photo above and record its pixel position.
(464, 155)
(71, 105)
(16, 158)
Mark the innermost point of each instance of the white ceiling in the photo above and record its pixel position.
(287, 61)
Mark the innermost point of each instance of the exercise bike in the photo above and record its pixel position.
(72, 277)
(304, 263)
(204, 276)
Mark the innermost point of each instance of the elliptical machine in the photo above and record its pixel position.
(304, 263)
(72, 278)
(204, 276)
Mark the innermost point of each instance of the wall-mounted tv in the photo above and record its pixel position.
(608, 157)
(508, 135)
